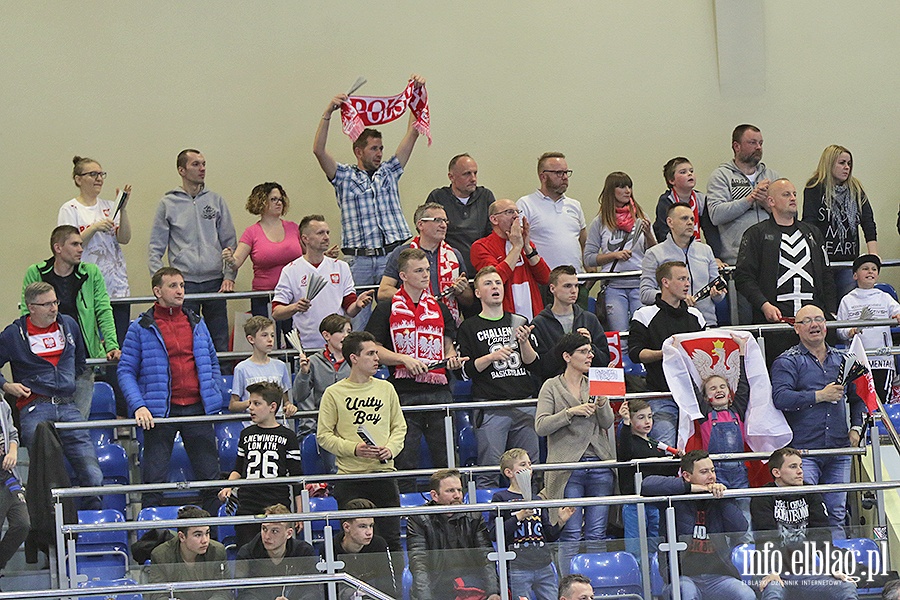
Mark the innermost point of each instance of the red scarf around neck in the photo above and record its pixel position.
(625, 217)
(448, 271)
(417, 330)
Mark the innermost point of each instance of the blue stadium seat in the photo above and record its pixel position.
(227, 536)
(103, 403)
(631, 368)
(410, 500)
(737, 559)
(98, 583)
(103, 407)
(180, 465)
(110, 562)
(864, 550)
(656, 581)
(228, 434)
(156, 513)
(467, 446)
(462, 390)
(323, 504)
(100, 538)
(113, 461)
(611, 573)
(382, 372)
(227, 382)
(483, 496)
(893, 413)
(310, 459)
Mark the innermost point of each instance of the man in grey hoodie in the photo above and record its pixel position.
(193, 224)
(736, 196)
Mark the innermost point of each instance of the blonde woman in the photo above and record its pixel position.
(835, 202)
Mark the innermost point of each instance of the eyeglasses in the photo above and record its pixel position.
(584, 351)
(437, 220)
(45, 304)
(510, 212)
(811, 320)
(561, 173)
(94, 174)
(276, 200)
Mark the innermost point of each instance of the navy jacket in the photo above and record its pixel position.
(144, 374)
(38, 373)
(721, 516)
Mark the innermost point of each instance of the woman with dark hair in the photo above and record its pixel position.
(271, 243)
(576, 425)
(102, 233)
(835, 202)
(616, 241)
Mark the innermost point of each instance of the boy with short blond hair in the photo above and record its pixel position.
(527, 532)
(266, 449)
(260, 332)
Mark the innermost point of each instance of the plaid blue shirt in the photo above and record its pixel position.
(371, 215)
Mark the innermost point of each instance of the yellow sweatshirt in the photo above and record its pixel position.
(347, 405)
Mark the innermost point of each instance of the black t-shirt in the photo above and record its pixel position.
(630, 447)
(371, 564)
(501, 380)
(66, 292)
(264, 453)
(380, 326)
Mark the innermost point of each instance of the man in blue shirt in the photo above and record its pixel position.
(804, 389)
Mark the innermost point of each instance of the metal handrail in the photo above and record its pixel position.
(303, 479)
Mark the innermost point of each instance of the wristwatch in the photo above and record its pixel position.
(532, 254)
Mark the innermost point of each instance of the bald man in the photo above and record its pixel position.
(804, 388)
(781, 264)
(509, 248)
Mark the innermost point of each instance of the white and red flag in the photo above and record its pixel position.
(700, 355)
(359, 112)
(864, 384)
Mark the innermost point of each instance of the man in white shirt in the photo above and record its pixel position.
(291, 299)
(558, 229)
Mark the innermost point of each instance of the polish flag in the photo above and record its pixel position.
(603, 381)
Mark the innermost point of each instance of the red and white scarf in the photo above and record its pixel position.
(417, 330)
(360, 112)
(693, 204)
(448, 271)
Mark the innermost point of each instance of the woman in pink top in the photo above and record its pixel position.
(270, 243)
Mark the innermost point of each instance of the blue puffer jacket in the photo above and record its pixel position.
(38, 373)
(144, 374)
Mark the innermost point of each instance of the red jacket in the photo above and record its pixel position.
(521, 293)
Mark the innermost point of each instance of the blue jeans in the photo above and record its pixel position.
(543, 581)
(76, 443)
(633, 534)
(500, 430)
(665, 421)
(620, 305)
(713, 587)
(588, 524)
(830, 469)
(214, 312)
(366, 270)
(199, 443)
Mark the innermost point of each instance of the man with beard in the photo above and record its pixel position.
(449, 551)
(736, 195)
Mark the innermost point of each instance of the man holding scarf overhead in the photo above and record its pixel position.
(372, 221)
(415, 336)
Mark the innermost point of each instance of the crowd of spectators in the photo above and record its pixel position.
(522, 330)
